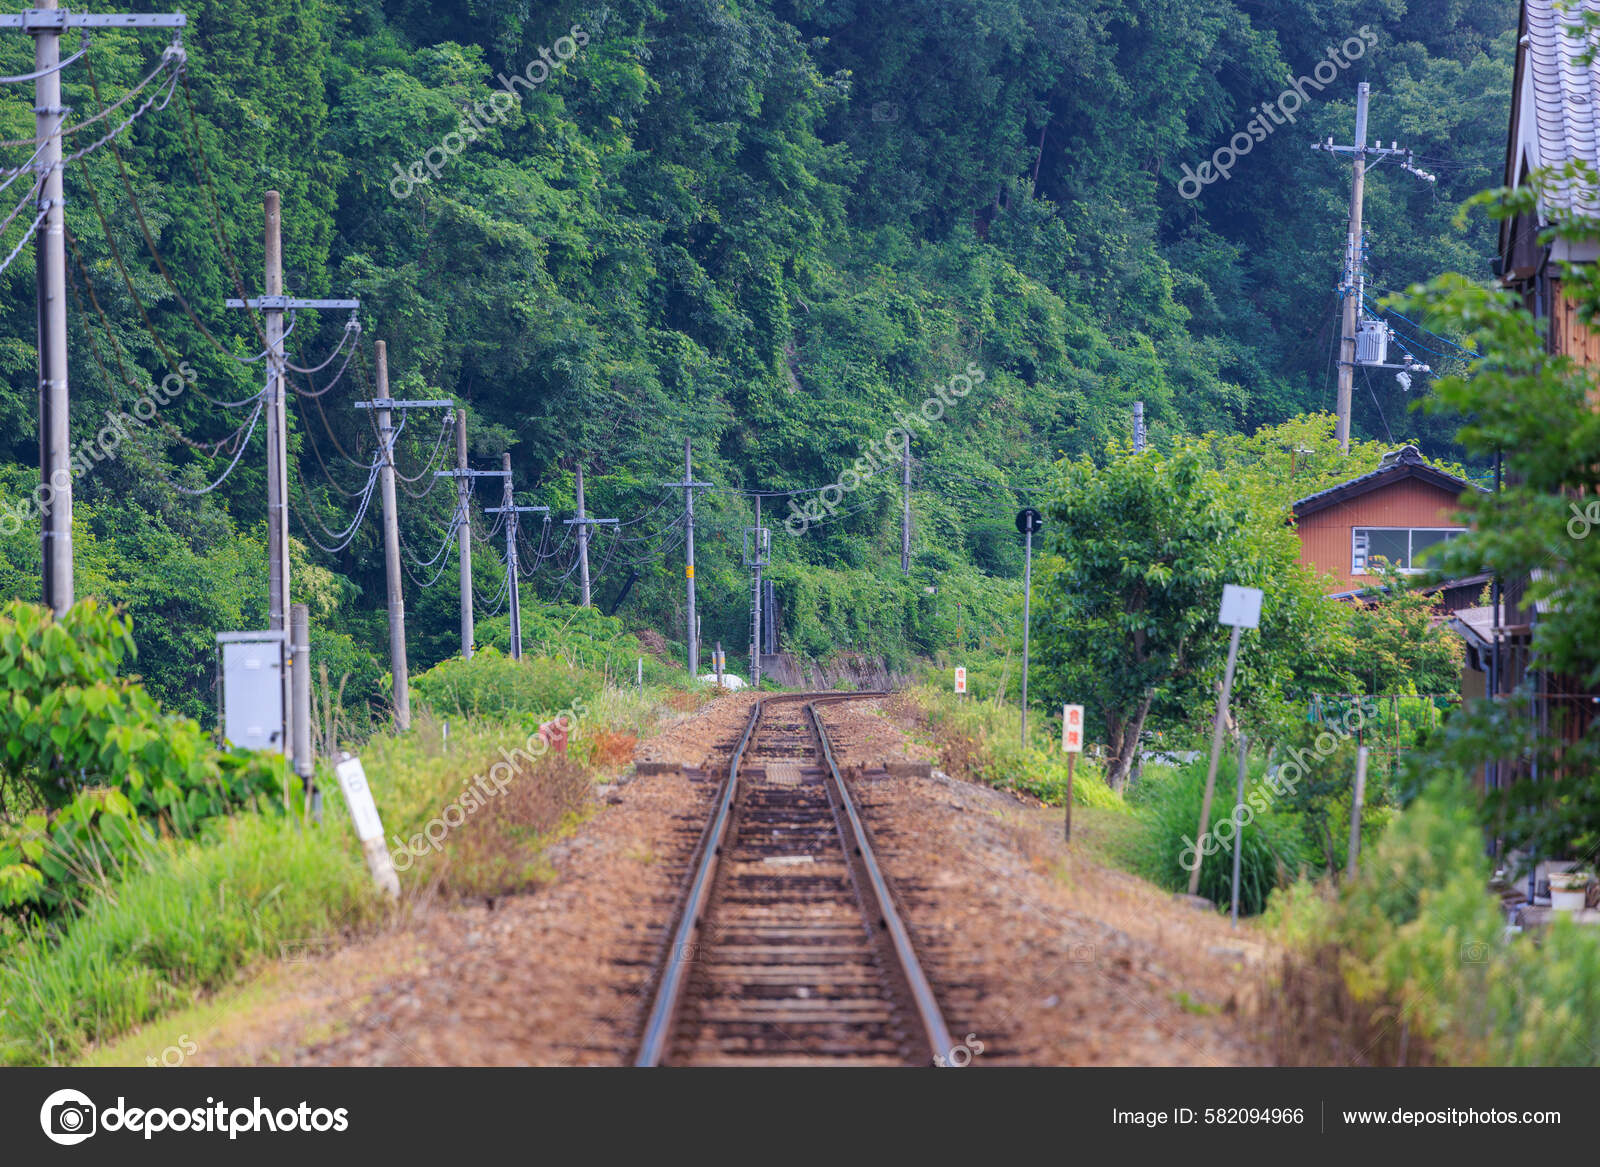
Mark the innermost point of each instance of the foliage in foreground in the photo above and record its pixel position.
(1419, 942)
(92, 767)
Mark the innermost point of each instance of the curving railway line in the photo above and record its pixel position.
(788, 948)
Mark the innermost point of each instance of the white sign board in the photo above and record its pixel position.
(961, 680)
(1241, 607)
(1072, 729)
(358, 797)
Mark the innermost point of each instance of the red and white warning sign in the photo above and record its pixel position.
(1072, 729)
(961, 679)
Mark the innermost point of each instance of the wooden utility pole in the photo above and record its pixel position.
(272, 306)
(383, 407)
(509, 508)
(905, 508)
(688, 486)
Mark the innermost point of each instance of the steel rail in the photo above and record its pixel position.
(674, 980)
(933, 1025)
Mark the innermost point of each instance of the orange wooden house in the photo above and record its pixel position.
(1397, 514)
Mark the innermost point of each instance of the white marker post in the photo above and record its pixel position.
(1241, 609)
(961, 679)
(1072, 746)
(369, 827)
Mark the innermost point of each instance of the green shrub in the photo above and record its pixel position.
(492, 685)
(92, 766)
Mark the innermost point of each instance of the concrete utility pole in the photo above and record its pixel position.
(1138, 427)
(757, 554)
(689, 485)
(382, 407)
(272, 306)
(300, 664)
(464, 533)
(45, 23)
(905, 508)
(511, 510)
(1353, 284)
(583, 522)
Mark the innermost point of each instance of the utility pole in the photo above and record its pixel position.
(382, 407)
(511, 510)
(45, 23)
(1138, 427)
(273, 305)
(692, 625)
(464, 533)
(583, 523)
(905, 508)
(757, 554)
(464, 478)
(300, 665)
(1353, 284)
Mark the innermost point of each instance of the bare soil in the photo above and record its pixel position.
(1043, 956)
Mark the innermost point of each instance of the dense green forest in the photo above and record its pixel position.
(769, 227)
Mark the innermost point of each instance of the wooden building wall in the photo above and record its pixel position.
(1325, 535)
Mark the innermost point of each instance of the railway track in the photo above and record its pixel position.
(788, 949)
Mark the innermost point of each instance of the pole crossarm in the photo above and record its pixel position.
(516, 510)
(392, 403)
(46, 19)
(471, 473)
(284, 303)
(592, 522)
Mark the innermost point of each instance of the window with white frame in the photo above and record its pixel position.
(1400, 547)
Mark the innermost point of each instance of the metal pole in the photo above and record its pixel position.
(464, 533)
(717, 660)
(300, 648)
(583, 545)
(514, 594)
(1027, 614)
(1138, 427)
(1071, 758)
(755, 609)
(693, 626)
(1356, 804)
(1353, 280)
(391, 550)
(1238, 828)
(1216, 754)
(55, 457)
(905, 508)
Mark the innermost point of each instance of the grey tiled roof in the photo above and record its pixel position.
(1566, 97)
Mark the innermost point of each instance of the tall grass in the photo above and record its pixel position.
(190, 918)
